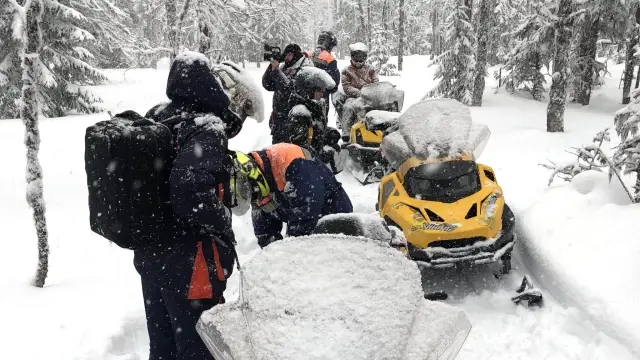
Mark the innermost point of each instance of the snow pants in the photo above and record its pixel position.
(171, 323)
(179, 283)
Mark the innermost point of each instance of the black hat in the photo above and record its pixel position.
(292, 48)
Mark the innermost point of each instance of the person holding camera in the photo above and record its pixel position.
(279, 79)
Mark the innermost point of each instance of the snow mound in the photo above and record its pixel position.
(371, 226)
(326, 297)
(378, 118)
(312, 77)
(358, 47)
(300, 110)
(581, 243)
(241, 88)
(189, 57)
(435, 128)
(381, 95)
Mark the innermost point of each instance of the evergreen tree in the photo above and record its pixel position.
(626, 156)
(596, 17)
(457, 64)
(532, 51)
(483, 24)
(558, 93)
(64, 61)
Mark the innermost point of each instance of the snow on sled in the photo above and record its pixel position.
(378, 111)
(329, 296)
(450, 208)
(244, 93)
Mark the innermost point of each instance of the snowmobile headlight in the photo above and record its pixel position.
(489, 207)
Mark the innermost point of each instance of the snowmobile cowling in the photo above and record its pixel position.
(449, 207)
(330, 296)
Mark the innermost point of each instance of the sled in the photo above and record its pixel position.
(288, 309)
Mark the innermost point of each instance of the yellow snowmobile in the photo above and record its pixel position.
(450, 208)
(376, 114)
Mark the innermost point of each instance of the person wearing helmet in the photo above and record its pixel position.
(358, 73)
(285, 183)
(176, 285)
(324, 59)
(307, 123)
(354, 78)
(279, 79)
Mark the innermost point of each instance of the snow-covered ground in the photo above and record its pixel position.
(580, 255)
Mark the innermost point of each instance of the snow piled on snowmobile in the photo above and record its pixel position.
(241, 88)
(310, 77)
(332, 296)
(435, 128)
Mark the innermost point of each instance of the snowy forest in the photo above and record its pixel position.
(555, 84)
(525, 39)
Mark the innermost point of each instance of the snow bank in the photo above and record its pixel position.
(582, 242)
(328, 297)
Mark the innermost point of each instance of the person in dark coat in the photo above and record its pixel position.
(324, 59)
(278, 78)
(186, 276)
(285, 183)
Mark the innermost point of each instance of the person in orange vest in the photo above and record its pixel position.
(285, 183)
(324, 59)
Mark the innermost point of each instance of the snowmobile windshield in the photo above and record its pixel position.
(445, 182)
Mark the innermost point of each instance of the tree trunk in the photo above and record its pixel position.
(204, 41)
(180, 21)
(588, 48)
(558, 93)
(170, 10)
(638, 78)
(469, 10)
(29, 113)
(628, 71)
(401, 34)
(369, 30)
(484, 16)
(363, 26)
(435, 36)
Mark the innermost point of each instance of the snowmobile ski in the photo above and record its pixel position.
(526, 292)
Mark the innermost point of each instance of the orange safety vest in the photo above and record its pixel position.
(280, 156)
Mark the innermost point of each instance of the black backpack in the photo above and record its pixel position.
(128, 163)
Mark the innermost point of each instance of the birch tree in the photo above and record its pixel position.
(30, 19)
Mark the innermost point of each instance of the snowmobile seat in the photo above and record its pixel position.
(381, 120)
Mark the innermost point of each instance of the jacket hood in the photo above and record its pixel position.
(191, 83)
(193, 88)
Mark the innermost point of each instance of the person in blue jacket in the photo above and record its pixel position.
(186, 274)
(284, 183)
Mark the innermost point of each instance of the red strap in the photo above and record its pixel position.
(216, 258)
(200, 286)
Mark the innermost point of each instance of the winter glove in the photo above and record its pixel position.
(265, 240)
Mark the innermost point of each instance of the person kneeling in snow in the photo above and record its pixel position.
(186, 273)
(285, 183)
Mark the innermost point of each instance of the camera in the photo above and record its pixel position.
(273, 52)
